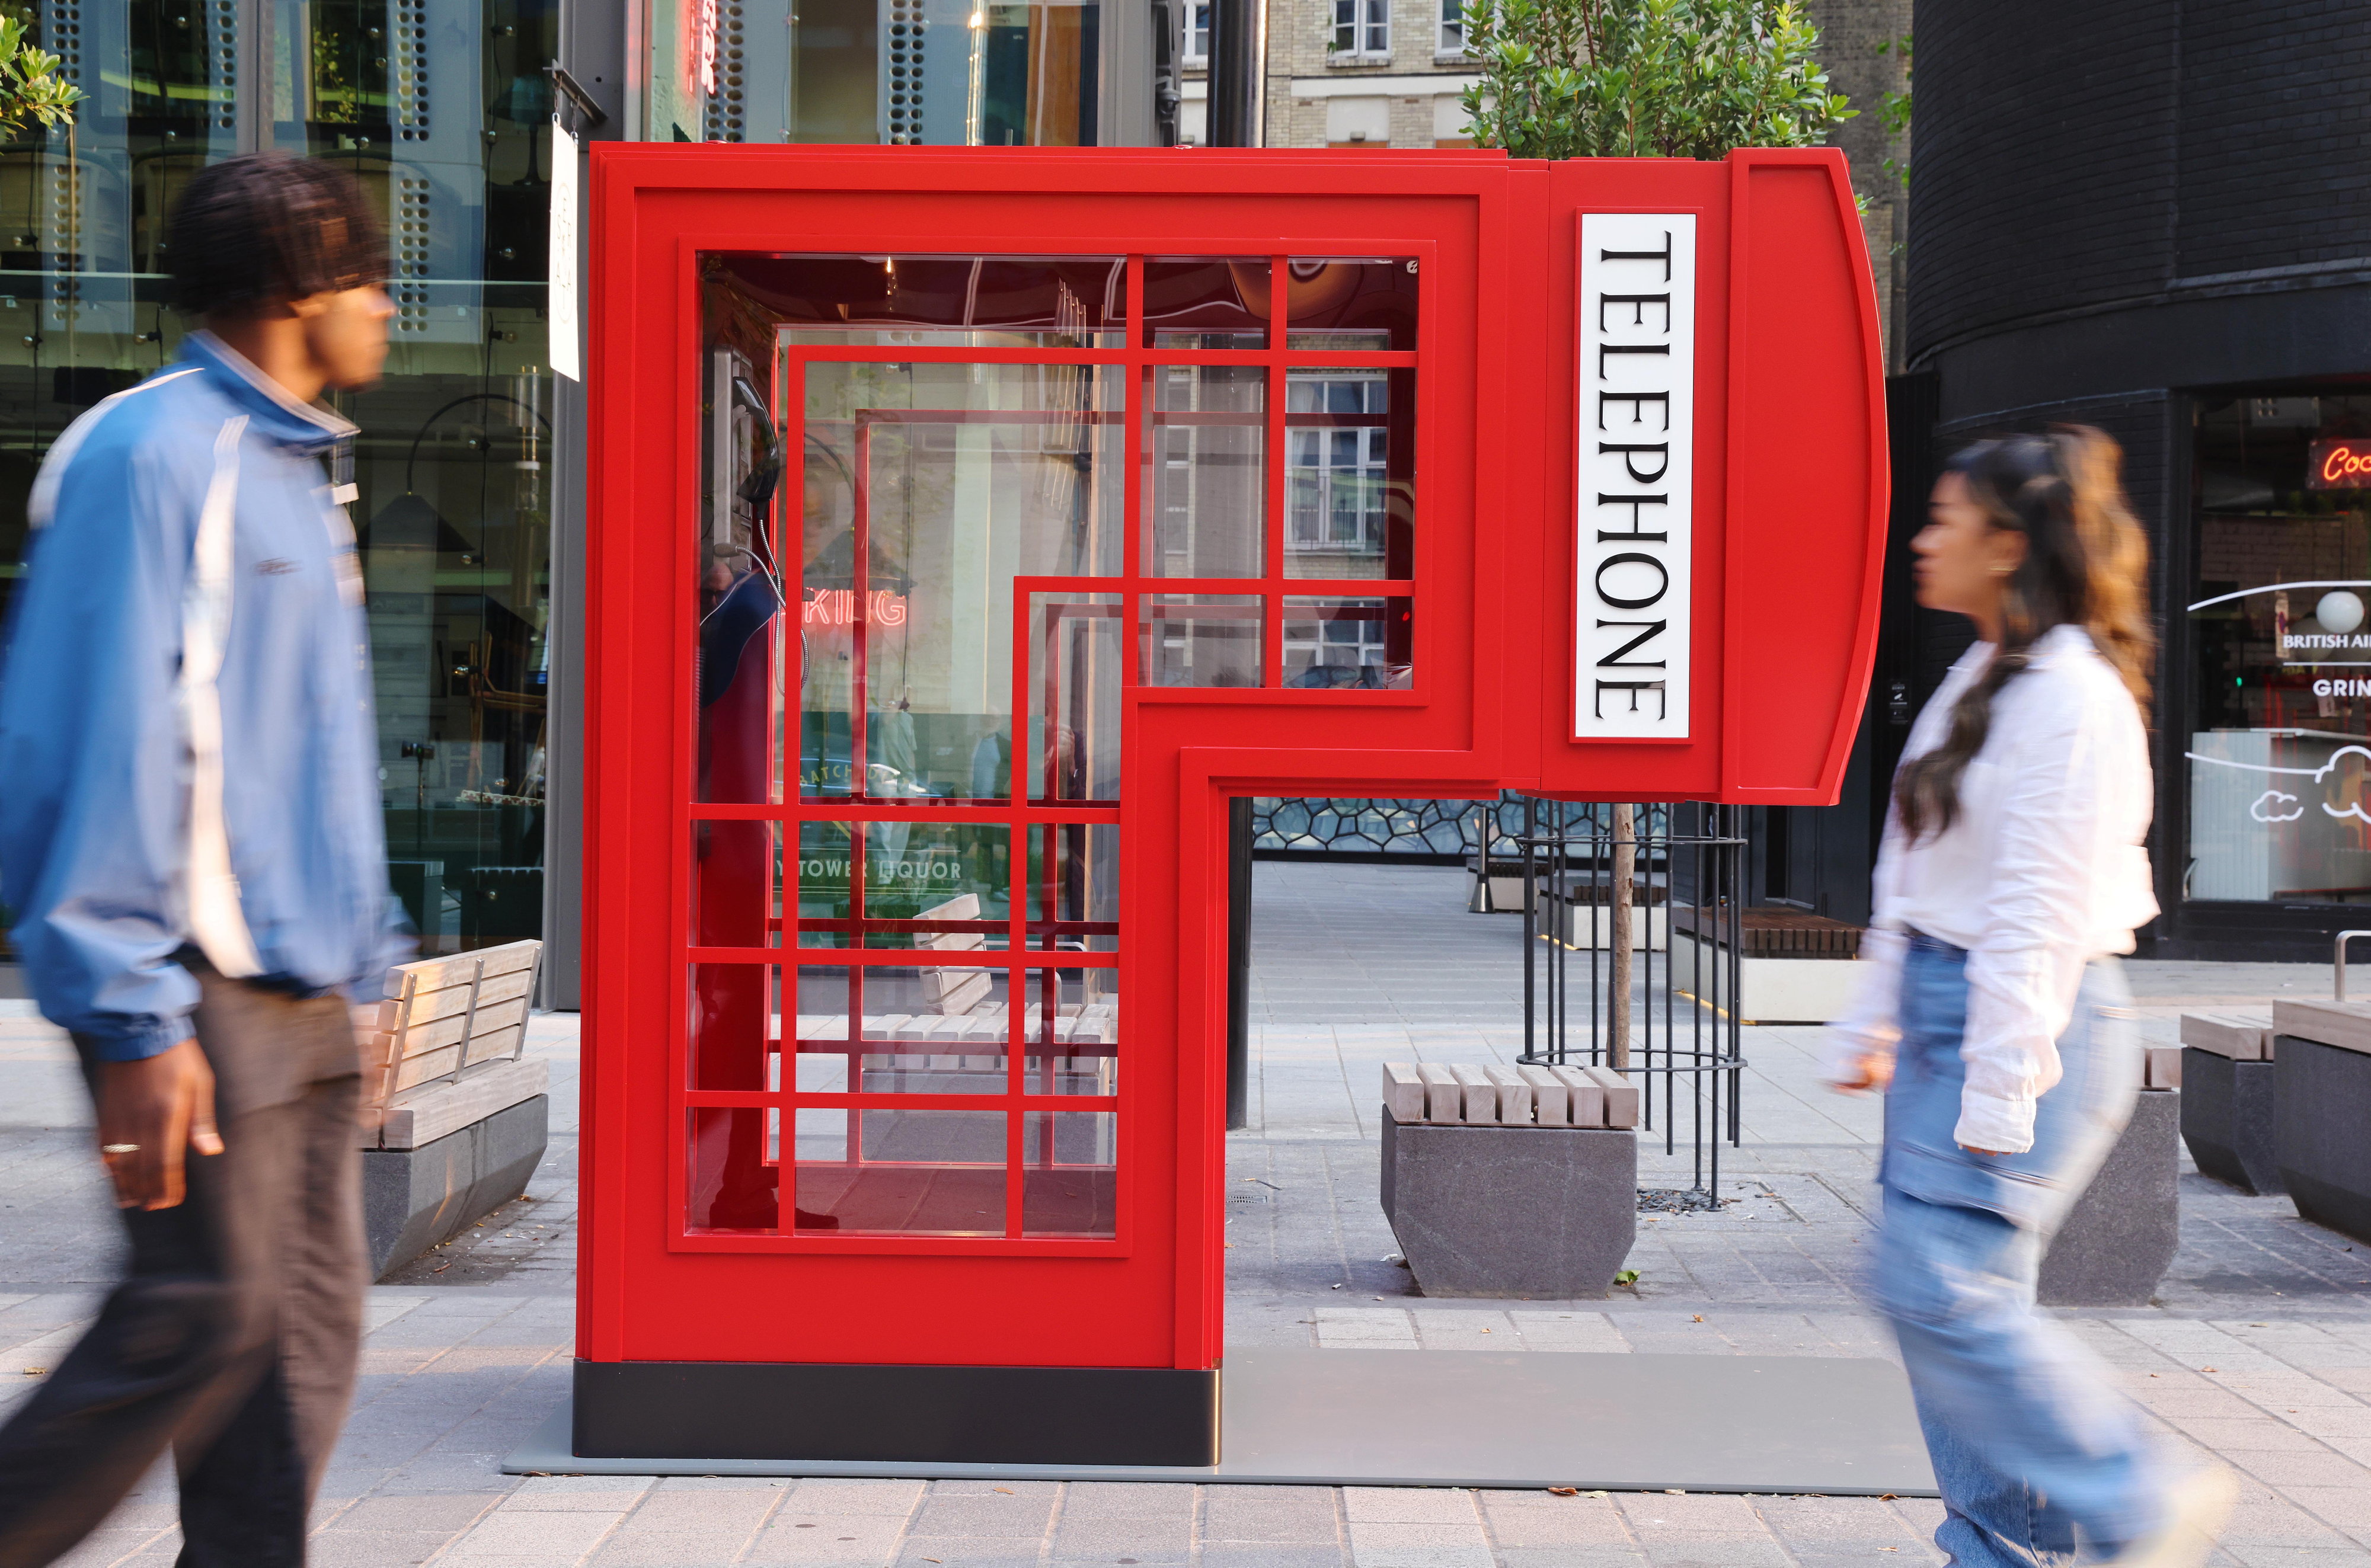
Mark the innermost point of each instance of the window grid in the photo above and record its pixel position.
(1450, 39)
(1029, 961)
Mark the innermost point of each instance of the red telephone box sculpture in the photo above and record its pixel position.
(967, 527)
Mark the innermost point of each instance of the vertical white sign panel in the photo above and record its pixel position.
(1635, 493)
(562, 306)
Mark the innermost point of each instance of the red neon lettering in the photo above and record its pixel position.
(837, 607)
(2340, 464)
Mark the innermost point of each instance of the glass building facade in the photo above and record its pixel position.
(443, 112)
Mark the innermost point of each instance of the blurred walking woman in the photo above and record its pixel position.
(1996, 1017)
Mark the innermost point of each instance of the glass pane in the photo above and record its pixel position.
(738, 656)
(1069, 1173)
(734, 1169)
(2281, 693)
(1072, 1033)
(910, 1172)
(1206, 440)
(929, 1031)
(1350, 473)
(1351, 304)
(737, 881)
(1343, 643)
(1074, 707)
(1073, 887)
(971, 474)
(735, 1025)
(943, 887)
(1200, 301)
(1202, 639)
(1000, 301)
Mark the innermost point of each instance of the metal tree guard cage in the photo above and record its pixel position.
(1687, 895)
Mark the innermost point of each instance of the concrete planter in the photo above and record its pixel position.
(414, 1198)
(2321, 1108)
(2123, 1230)
(1773, 990)
(2226, 1120)
(1542, 1212)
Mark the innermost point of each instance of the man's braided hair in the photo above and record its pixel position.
(258, 231)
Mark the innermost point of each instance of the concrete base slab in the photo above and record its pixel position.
(2122, 1232)
(1761, 1424)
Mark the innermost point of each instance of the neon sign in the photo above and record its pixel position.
(837, 607)
(2340, 465)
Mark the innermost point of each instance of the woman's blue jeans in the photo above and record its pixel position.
(2036, 1454)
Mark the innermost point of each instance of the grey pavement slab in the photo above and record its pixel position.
(2256, 1350)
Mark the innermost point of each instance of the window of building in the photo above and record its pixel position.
(1363, 30)
(1450, 39)
(2280, 651)
(1197, 39)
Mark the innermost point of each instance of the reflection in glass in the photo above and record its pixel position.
(909, 1173)
(734, 1171)
(2281, 689)
(1206, 303)
(1072, 1033)
(933, 886)
(1349, 471)
(1338, 643)
(1074, 704)
(1201, 639)
(938, 1030)
(1073, 891)
(1069, 1169)
(1206, 440)
(737, 652)
(1002, 302)
(971, 474)
(734, 1025)
(1351, 304)
(737, 881)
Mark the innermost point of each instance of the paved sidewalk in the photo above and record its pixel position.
(2259, 1350)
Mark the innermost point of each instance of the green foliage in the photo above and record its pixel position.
(1647, 78)
(1894, 108)
(29, 87)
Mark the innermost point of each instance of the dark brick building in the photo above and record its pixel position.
(2154, 216)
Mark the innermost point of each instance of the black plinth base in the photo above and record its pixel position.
(2226, 1120)
(2122, 1234)
(1020, 1415)
(2321, 1104)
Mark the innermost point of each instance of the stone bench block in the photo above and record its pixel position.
(2121, 1236)
(414, 1198)
(1543, 1213)
(2321, 1131)
(2226, 1119)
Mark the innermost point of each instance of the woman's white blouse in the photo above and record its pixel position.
(2043, 872)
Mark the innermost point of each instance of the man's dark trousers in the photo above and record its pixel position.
(234, 1340)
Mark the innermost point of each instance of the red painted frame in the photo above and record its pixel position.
(1791, 489)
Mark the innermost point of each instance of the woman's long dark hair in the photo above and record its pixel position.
(2085, 564)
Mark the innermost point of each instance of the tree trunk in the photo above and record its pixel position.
(1618, 901)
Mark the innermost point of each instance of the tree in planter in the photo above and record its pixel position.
(30, 85)
(1644, 78)
(1647, 78)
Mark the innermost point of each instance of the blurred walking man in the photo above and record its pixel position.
(189, 841)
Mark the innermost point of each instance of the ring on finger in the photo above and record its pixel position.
(118, 1148)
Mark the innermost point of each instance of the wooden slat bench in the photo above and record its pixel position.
(458, 1116)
